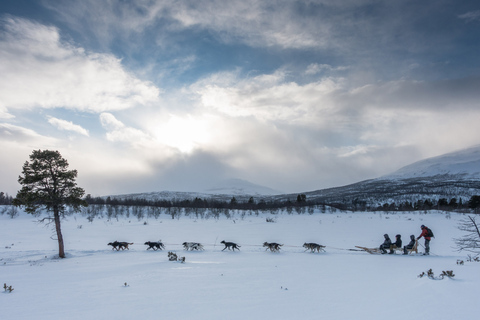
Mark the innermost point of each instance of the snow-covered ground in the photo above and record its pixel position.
(250, 284)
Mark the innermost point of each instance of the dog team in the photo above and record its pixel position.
(190, 246)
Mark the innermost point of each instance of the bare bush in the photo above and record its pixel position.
(471, 240)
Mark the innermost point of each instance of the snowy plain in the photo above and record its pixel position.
(94, 282)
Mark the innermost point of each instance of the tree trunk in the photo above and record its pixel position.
(61, 250)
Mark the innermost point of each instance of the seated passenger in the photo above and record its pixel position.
(409, 245)
(386, 244)
(396, 244)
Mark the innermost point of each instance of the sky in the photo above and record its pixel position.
(148, 95)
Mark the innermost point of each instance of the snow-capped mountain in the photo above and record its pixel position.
(463, 163)
(452, 175)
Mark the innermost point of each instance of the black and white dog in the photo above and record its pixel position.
(192, 246)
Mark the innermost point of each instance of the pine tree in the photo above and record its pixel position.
(48, 184)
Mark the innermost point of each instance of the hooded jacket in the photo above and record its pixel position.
(412, 242)
(387, 243)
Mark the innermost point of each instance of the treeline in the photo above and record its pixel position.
(300, 204)
(442, 204)
(233, 203)
(5, 199)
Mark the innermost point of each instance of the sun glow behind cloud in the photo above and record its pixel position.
(183, 133)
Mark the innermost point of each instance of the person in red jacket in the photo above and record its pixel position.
(424, 234)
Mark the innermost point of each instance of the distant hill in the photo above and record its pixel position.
(452, 175)
(223, 191)
(240, 187)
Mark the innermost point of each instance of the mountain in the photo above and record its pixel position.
(464, 163)
(240, 187)
(452, 175)
(223, 191)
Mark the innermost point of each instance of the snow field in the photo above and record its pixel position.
(250, 284)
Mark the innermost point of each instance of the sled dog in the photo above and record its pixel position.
(119, 245)
(155, 245)
(231, 245)
(313, 246)
(274, 247)
(192, 246)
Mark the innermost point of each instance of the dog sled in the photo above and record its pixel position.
(414, 249)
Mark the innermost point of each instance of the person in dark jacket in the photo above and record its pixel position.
(424, 234)
(409, 245)
(386, 244)
(397, 243)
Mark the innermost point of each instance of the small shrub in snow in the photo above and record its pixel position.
(469, 258)
(448, 273)
(428, 274)
(273, 220)
(431, 275)
(470, 241)
(7, 288)
(12, 212)
(9, 210)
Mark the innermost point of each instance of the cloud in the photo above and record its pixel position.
(107, 19)
(110, 123)
(359, 29)
(67, 126)
(352, 122)
(274, 98)
(266, 97)
(16, 134)
(253, 22)
(470, 16)
(256, 23)
(315, 68)
(4, 114)
(118, 132)
(41, 70)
